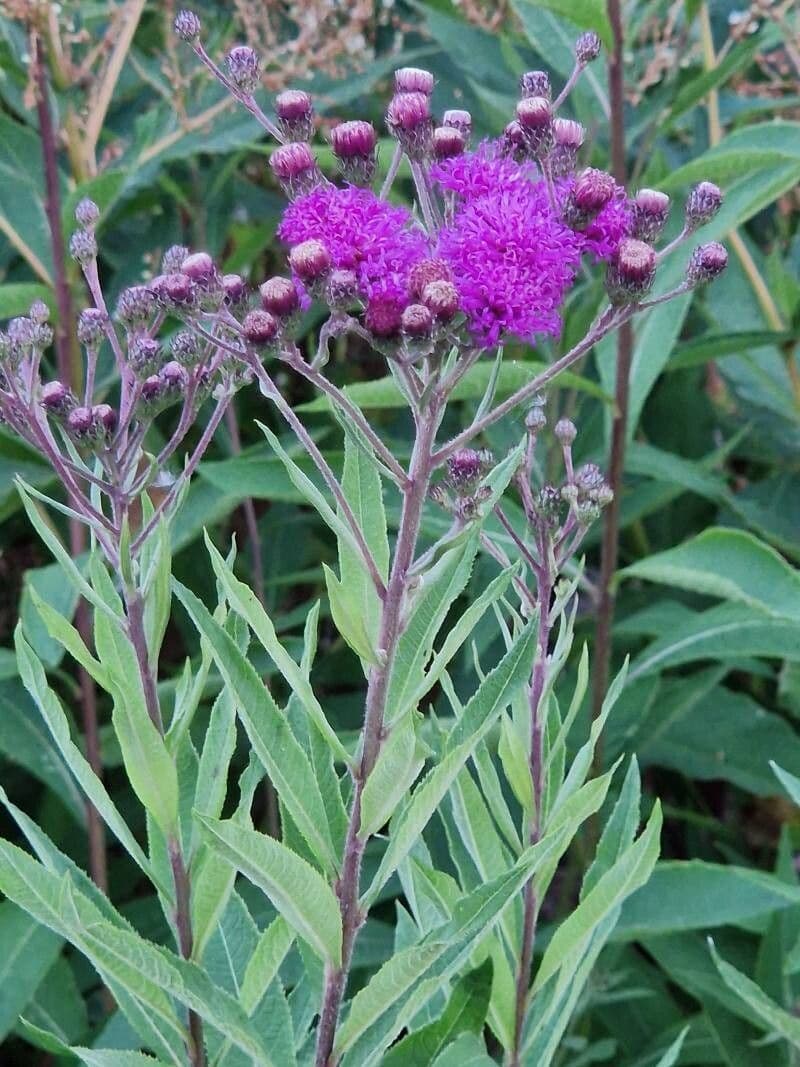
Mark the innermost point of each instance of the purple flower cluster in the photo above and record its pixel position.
(513, 256)
(379, 241)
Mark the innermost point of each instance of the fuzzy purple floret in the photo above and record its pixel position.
(380, 242)
(513, 258)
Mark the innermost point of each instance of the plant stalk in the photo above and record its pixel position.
(619, 426)
(347, 888)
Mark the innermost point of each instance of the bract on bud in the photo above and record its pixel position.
(310, 261)
(353, 145)
(650, 211)
(448, 142)
(706, 263)
(187, 26)
(87, 213)
(260, 328)
(536, 83)
(413, 80)
(702, 204)
(631, 272)
(244, 68)
(441, 297)
(587, 47)
(295, 112)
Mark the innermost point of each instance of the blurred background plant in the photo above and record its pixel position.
(696, 578)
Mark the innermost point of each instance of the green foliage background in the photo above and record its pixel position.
(708, 596)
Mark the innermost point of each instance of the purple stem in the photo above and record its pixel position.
(347, 888)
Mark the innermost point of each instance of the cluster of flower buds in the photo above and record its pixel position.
(408, 116)
(461, 491)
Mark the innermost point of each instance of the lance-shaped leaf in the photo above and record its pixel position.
(492, 696)
(278, 749)
(400, 761)
(244, 601)
(774, 1018)
(296, 889)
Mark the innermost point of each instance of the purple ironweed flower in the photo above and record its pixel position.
(650, 211)
(707, 262)
(295, 113)
(481, 173)
(377, 240)
(353, 145)
(631, 271)
(244, 68)
(536, 83)
(279, 296)
(383, 316)
(413, 80)
(702, 204)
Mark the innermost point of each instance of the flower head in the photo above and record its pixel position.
(378, 241)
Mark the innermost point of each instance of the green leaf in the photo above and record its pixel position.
(264, 964)
(244, 601)
(35, 681)
(492, 696)
(296, 889)
(465, 1012)
(670, 1057)
(283, 757)
(630, 871)
(398, 764)
(27, 952)
(466, 1051)
(695, 895)
(790, 782)
(98, 1057)
(348, 619)
(731, 564)
(437, 590)
(361, 485)
(407, 981)
(775, 1018)
(17, 297)
(586, 14)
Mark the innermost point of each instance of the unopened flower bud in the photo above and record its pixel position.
(310, 261)
(244, 68)
(536, 119)
(587, 47)
(448, 142)
(567, 139)
(92, 324)
(295, 167)
(187, 26)
(144, 355)
(342, 289)
(173, 377)
(427, 271)
(279, 296)
(514, 140)
(57, 399)
(234, 288)
(383, 316)
(185, 348)
(104, 419)
(83, 246)
(706, 263)
(459, 120)
(631, 272)
(295, 113)
(408, 118)
(199, 266)
(135, 306)
(650, 211)
(260, 328)
(353, 145)
(593, 189)
(536, 83)
(465, 469)
(87, 213)
(535, 420)
(173, 258)
(565, 431)
(80, 423)
(173, 290)
(416, 321)
(39, 312)
(413, 80)
(442, 299)
(152, 390)
(702, 204)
